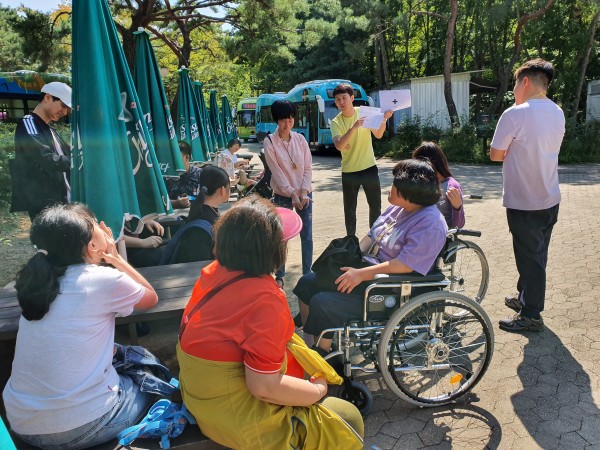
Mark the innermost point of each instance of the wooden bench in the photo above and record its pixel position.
(190, 439)
(173, 284)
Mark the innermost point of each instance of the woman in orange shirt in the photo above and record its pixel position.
(232, 347)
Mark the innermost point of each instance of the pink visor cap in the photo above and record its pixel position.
(292, 224)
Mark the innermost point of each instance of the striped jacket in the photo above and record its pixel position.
(40, 174)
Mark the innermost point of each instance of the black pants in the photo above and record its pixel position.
(351, 183)
(531, 232)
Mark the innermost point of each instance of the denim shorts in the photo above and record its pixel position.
(131, 406)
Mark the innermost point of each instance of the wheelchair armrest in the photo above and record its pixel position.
(431, 277)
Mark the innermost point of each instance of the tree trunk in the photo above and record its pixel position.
(583, 67)
(378, 63)
(448, 65)
(186, 48)
(506, 71)
(385, 65)
(129, 47)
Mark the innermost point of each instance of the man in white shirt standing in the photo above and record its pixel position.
(527, 140)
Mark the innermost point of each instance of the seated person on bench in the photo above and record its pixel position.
(180, 189)
(235, 166)
(233, 146)
(406, 238)
(193, 242)
(144, 249)
(232, 345)
(64, 391)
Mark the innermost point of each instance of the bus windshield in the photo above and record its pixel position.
(246, 118)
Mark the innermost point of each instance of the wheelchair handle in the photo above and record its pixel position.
(462, 232)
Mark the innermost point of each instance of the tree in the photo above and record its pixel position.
(11, 54)
(44, 38)
(447, 65)
(506, 71)
(447, 69)
(584, 65)
(183, 16)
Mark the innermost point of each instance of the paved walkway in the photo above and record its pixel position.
(541, 390)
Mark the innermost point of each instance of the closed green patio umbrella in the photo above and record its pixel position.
(210, 134)
(228, 123)
(216, 119)
(155, 106)
(114, 168)
(189, 118)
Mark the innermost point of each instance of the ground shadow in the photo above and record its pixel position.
(556, 405)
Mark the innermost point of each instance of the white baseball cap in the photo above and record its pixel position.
(59, 90)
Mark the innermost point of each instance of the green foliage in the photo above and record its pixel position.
(11, 55)
(462, 144)
(580, 143)
(459, 145)
(7, 152)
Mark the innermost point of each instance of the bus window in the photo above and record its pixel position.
(357, 93)
(301, 116)
(265, 115)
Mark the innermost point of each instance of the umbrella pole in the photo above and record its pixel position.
(121, 249)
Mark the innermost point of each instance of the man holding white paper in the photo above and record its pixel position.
(358, 160)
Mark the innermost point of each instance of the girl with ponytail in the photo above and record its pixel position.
(63, 390)
(194, 243)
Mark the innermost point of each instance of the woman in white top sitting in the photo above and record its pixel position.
(63, 391)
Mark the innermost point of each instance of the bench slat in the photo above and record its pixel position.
(173, 284)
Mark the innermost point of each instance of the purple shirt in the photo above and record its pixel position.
(415, 240)
(454, 218)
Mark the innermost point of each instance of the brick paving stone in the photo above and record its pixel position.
(381, 442)
(408, 442)
(434, 433)
(589, 429)
(374, 422)
(402, 427)
(572, 441)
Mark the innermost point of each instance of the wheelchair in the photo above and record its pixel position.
(431, 343)
(465, 265)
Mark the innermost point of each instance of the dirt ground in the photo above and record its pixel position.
(15, 248)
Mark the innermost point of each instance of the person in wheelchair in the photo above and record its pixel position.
(405, 239)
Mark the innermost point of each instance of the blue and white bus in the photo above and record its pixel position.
(20, 91)
(316, 108)
(264, 121)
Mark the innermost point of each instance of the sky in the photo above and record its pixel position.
(40, 5)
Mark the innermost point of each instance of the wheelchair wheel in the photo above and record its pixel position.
(358, 394)
(452, 353)
(467, 268)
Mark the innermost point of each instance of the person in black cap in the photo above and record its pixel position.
(40, 170)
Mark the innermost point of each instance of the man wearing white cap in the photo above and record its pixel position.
(40, 170)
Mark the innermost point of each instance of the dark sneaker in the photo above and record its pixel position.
(513, 303)
(520, 323)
